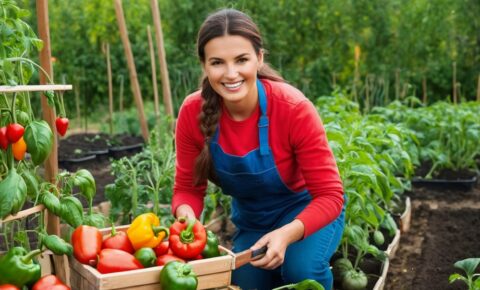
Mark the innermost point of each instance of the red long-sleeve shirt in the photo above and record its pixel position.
(297, 139)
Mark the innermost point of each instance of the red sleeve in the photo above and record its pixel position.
(188, 144)
(318, 168)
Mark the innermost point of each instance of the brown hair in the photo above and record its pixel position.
(221, 23)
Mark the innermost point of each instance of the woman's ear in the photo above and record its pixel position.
(260, 58)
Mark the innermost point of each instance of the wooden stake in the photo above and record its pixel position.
(478, 89)
(454, 81)
(397, 84)
(131, 67)
(167, 97)
(121, 93)
(110, 86)
(154, 73)
(424, 88)
(51, 164)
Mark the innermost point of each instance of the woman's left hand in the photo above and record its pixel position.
(277, 242)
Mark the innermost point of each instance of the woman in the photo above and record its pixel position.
(263, 142)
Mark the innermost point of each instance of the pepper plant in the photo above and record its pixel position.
(143, 182)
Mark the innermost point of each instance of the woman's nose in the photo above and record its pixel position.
(231, 71)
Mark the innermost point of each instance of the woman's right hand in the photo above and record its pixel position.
(185, 210)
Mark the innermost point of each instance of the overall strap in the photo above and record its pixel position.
(263, 121)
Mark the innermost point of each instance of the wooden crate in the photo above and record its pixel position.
(212, 273)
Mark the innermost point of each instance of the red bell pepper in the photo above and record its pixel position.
(119, 241)
(113, 260)
(162, 248)
(87, 244)
(50, 282)
(187, 238)
(163, 259)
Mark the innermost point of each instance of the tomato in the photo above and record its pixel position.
(19, 148)
(354, 280)
(14, 132)
(61, 124)
(3, 138)
(340, 268)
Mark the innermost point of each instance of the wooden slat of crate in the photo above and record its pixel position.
(211, 273)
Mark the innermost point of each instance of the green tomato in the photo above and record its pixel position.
(378, 238)
(354, 280)
(340, 267)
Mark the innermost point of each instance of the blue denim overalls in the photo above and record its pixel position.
(261, 203)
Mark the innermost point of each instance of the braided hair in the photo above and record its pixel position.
(221, 23)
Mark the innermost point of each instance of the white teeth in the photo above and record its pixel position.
(233, 86)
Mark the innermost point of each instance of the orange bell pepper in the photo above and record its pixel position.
(145, 231)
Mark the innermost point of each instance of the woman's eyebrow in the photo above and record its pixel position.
(237, 57)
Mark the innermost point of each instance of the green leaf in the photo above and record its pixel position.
(13, 193)
(468, 265)
(31, 182)
(39, 139)
(455, 277)
(86, 183)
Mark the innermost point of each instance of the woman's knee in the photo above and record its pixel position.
(320, 272)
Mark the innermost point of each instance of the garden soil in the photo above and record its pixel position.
(444, 229)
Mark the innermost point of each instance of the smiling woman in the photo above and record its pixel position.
(263, 142)
(231, 67)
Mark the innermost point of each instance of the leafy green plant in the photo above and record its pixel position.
(144, 181)
(469, 266)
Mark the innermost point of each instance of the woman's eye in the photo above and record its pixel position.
(216, 62)
(242, 60)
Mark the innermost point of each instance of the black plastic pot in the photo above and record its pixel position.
(73, 163)
(101, 155)
(468, 183)
(122, 151)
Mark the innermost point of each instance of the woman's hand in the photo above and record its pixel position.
(186, 211)
(277, 242)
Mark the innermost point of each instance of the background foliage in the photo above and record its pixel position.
(311, 43)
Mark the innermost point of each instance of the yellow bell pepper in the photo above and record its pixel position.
(145, 231)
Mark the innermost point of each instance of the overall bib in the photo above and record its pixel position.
(261, 203)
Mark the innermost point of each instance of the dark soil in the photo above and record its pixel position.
(100, 166)
(447, 174)
(444, 229)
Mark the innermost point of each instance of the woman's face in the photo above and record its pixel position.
(231, 65)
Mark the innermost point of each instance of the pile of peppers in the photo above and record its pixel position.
(145, 244)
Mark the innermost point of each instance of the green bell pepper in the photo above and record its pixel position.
(307, 284)
(211, 248)
(146, 256)
(176, 275)
(17, 267)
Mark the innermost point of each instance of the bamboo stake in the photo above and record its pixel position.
(167, 97)
(131, 67)
(397, 84)
(424, 88)
(454, 81)
(51, 164)
(478, 89)
(121, 94)
(154, 73)
(106, 48)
